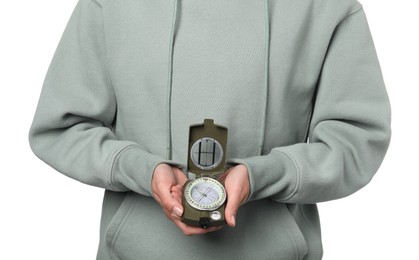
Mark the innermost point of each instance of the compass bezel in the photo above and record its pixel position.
(218, 187)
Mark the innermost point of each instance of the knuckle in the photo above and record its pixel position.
(167, 205)
(160, 185)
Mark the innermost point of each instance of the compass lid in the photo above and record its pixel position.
(207, 149)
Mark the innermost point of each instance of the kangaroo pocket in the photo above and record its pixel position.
(264, 230)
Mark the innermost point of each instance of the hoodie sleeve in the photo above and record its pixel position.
(72, 127)
(349, 131)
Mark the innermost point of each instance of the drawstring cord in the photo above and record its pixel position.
(169, 85)
(266, 85)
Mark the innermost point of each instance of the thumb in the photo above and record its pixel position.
(168, 201)
(180, 176)
(232, 206)
(171, 204)
(177, 210)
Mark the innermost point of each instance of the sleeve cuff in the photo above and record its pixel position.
(273, 175)
(133, 169)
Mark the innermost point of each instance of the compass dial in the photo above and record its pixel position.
(205, 194)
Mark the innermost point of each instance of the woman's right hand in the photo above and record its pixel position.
(167, 185)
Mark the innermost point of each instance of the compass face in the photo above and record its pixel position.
(207, 153)
(205, 194)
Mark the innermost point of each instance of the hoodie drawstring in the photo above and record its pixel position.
(266, 85)
(169, 85)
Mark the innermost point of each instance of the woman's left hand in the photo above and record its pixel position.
(237, 185)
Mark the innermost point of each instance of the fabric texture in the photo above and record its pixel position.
(297, 83)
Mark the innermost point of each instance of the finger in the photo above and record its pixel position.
(177, 188)
(223, 177)
(176, 209)
(169, 201)
(233, 204)
(177, 192)
(162, 182)
(180, 176)
(177, 195)
(190, 230)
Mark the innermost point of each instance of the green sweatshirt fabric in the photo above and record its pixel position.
(297, 83)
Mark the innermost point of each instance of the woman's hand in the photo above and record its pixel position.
(237, 184)
(167, 186)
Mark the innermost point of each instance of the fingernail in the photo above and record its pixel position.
(233, 220)
(177, 211)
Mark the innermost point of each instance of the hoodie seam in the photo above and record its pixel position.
(294, 244)
(308, 123)
(266, 80)
(306, 219)
(170, 83)
(298, 177)
(118, 153)
(107, 58)
(121, 225)
(96, 2)
(350, 14)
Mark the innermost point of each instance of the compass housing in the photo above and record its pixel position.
(204, 197)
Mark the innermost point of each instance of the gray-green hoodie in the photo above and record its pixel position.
(296, 82)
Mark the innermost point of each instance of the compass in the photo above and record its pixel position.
(204, 197)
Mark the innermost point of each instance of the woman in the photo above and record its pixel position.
(297, 84)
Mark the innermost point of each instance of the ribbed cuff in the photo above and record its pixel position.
(133, 169)
(273, 175)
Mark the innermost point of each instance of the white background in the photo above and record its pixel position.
(45, 215)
